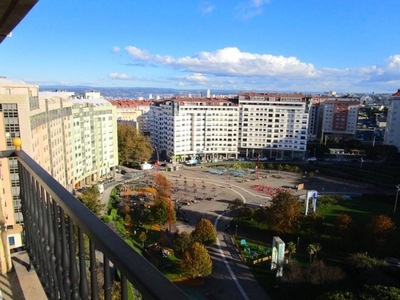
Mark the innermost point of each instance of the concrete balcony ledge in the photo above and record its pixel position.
(21, 284)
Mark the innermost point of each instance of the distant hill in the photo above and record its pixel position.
(134, 92)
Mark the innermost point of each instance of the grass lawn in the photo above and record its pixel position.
(360, 211)
(252, 250)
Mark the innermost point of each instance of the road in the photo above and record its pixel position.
(231, 278)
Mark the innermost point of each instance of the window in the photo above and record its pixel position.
(11, 240)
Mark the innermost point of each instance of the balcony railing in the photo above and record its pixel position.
(57, 227)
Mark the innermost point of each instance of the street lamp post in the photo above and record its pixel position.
(397, 196)
(236, 231)
(314, 151)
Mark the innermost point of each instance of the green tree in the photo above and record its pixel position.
(317, 248)
(182, 241)
(143, 237)
(311, 250)
(196, 262)
(132, 146)
(373, 292)
(90, 198)
(291, 248)
(235, 204)
(284, 213)
(313, 225)
(260, 215)
(246, 212)
(205, 232)
(160, 211)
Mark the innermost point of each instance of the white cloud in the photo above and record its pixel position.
(250, 8)
(137, 54)
(230, 62)
(115, 49)
(196, 77)
(119, 76)
(230, 67)
(206, 8)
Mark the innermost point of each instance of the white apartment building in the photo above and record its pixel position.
(392, 133)
(273, 125)
(183, 128)
(339, 117)
(94, 135)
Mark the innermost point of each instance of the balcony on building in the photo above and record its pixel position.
(74, 254)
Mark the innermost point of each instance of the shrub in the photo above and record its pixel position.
(120, 226)
(107, 219)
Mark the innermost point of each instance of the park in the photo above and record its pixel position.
(239, 205)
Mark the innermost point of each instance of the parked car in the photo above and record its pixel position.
(312, 159)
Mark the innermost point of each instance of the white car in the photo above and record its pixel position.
(312, 159)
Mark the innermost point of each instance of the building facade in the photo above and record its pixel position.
(338, 118)
(392, 133)
(252, 124)
(94, 140)
(273, 125)
(74, 140)
(184, 128)
(135, 112)
(42, 125)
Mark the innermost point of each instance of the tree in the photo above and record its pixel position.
(291, 248)
(142, 237)
(260, 215)
(132, 146)
(235, 204)
(311, 250)
(344, 228)
(128, 221)
(182, 241)
(381, 231)
(313, 225)
(90, 198)
(196, 261)
(317, 248)
(205, 232)
(160, 211)
(284, 213)
(246, 212)
(163, 186)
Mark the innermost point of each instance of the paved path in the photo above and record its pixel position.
(231, 278)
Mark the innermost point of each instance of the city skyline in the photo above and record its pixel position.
(260, 45)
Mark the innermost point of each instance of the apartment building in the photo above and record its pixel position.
(314, 126)
(183, 128)
(93, 135)
(273, 125)
(72, 139)
(338, 118)
(42, 125)
(392, 133)
(135, 112)
(268, 124)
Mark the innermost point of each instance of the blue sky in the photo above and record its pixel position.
(260, 45)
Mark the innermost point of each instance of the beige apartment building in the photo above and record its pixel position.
(134, 111)
(74, 140)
